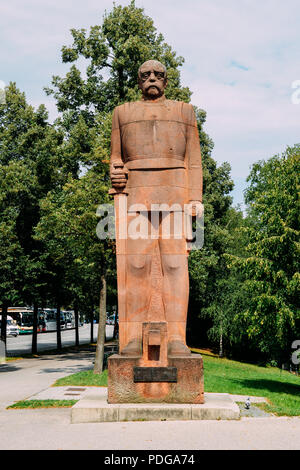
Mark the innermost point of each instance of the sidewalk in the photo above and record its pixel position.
(51, 428)
(21, 379)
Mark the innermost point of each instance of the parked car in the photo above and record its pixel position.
(12, 328)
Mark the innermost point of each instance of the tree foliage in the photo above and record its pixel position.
(29, 167)
(271, 265)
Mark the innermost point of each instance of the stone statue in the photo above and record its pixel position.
(156, 165)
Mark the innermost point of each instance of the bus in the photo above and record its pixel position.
(23, 317)
(49, 316)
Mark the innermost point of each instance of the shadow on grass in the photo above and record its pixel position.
(204, 352)
(273, 386)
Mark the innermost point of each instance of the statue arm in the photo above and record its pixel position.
(118, 172)
(115, 145)
(193, 157)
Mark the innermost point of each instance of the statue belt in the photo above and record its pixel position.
(142, 163)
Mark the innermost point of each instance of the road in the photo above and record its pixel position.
(47, 341)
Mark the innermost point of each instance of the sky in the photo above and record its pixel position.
(242, 60)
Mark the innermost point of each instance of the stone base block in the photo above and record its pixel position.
(93, 408)
(123, 386)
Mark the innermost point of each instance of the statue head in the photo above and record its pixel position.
(152, 77)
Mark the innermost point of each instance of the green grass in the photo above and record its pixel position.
(33, 404)
(11, 359)
(281, 388)
(85, 378)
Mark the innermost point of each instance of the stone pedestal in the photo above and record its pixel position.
(180, 382)
(93, 408)
(155, 376)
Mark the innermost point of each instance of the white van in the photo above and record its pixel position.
(12, 328)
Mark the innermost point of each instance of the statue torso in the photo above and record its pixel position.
(154, 134)
(154, 137)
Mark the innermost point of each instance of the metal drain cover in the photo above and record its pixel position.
(75, 389)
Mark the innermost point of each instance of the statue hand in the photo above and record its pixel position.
(118, 175)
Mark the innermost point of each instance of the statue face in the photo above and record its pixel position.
(152, 80)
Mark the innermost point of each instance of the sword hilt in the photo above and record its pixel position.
(115, 192)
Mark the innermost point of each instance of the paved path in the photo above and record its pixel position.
(51, 429)
(21, 379)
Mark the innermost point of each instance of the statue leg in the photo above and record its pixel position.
(175, 290)
(138, 270)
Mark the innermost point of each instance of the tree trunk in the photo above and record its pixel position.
(221, 346)
(92, 326)
(121, 83)
(4, 325)
(76, 325)
(34, 331)
(58, 331)
(98, 368)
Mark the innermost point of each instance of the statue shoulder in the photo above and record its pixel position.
(126, 109)
(128, 104)
(184, 110)
(188, 114)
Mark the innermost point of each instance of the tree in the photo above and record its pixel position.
(98, 368)
(271, 266)
(228, 328)
(30, 161)
(16, 185)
